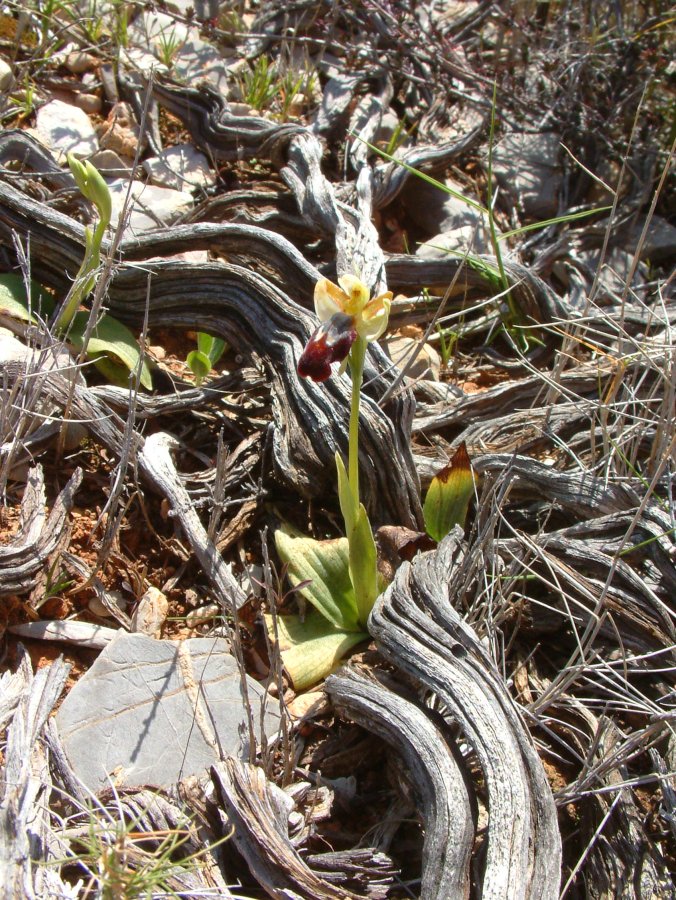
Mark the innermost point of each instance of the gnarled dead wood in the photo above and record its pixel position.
(416, 627)
(25, 786)
(257, 318)
(260, 826)
(436, 776)
(155, 459)
(23, 558)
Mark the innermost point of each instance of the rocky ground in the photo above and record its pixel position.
(506, 170)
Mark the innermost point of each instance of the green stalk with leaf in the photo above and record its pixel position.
(339, 577)
(111, 345)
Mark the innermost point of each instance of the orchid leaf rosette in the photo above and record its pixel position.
(338, 577)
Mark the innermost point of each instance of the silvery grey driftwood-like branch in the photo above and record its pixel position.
(416, 627)
(23, 558)
(436, 776)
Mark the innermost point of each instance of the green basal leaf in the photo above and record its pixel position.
(325, 566)
(115, 341)
(200, 365)
(363, 565)
(212, 347)
(14, 302)
(345, 494)
(448, 496)
(311, 649)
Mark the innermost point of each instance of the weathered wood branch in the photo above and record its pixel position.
(436, 776)
(23, 558)
(416, 627)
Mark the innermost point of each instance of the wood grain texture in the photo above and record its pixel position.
(415, 627)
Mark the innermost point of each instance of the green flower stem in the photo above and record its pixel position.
(357, 356)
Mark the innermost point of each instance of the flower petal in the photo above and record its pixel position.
(356, 294)
(331, 342)
(375, 316)
(329, 299)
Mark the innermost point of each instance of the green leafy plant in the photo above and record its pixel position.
(260, 85)
(339, 577)
(110, 344)
(448, 339)
(209, 351)
(122, 859)
(168, 46)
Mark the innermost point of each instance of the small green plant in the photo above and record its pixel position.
(209, 351)
(448, 496)
(339, 577)
(260, 85)
(109, 344)
(122, 861)
(120, 23)
(168, 46)
(291, 85)
(448, 339)
(399, 137)
(21, 102)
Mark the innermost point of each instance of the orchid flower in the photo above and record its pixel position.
(346, 314)
(350, 320)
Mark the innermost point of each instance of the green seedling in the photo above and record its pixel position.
(260, 85)
(209, 351)
(168, 46)
(111, 345)
(448, 339)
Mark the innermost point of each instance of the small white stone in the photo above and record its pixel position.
(181, 167)
(98, 608)
(152, 206)
(79, 62)
(65, 129)
(151, 613)
(109, 163)
(6, 76)
(89, 103)
(203, 614)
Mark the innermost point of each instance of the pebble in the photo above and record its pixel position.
(151, 613)
(120, 132)
(109, 163)
(6, 76)
(64, 128)
(98, 608)
(203, 614)
(164, 203)
(427, 363)
(79, 62)
(89, 103)
(181, 167)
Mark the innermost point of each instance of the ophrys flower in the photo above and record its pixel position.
(346, 312)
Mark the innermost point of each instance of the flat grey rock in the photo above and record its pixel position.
(527, 165)
(6, 76)
(64, 128)
(181, 167)
(157, 40)
(435, 211)
(154, 712)
(152, 206)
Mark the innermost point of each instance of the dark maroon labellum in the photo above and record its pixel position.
(330, 343)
